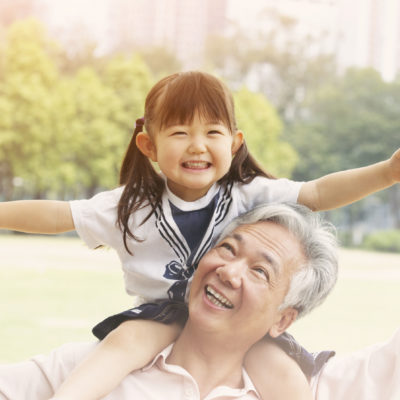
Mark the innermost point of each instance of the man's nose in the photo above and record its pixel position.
(232, 273)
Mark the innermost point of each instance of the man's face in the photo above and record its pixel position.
(240, 284)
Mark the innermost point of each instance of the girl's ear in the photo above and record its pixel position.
(237, 141)
(287, 317)
(146, 145)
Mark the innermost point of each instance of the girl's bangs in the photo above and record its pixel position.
(183, 98)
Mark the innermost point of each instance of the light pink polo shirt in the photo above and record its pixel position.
(39, 377)
(160, 380)
(372, 373)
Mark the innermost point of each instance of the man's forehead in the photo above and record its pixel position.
(261, 251)
(268, 240)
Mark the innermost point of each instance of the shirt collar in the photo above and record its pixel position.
(160, 360)
(190, 205)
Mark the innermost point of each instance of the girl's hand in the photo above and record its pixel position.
(394, 166)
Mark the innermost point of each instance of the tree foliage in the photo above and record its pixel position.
(65, 124)
(351, 123)
(63, 134)
(67, 117)
(28, 92)
(263, 129)
(333, 121)
(279, 61)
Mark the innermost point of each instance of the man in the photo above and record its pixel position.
(271, 265)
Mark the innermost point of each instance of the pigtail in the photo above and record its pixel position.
(143, 186)
(244, 168)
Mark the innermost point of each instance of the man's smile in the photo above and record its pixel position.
(217, 298)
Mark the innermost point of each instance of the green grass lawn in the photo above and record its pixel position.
(53, 290)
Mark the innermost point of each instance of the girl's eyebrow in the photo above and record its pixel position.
(207, 123)
(214, 122)
(173, 124)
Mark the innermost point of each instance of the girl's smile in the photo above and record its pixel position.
(196, 165)
(192, 156)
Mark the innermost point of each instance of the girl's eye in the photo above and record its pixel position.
(262, 272)
(180, 133)
(214, 133)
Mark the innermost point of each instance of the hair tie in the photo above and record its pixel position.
(139, 122)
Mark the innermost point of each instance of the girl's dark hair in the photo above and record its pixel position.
(176, 99)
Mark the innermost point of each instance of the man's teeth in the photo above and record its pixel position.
(196, 164)
(217, 299)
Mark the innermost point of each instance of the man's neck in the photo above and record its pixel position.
(210, 361)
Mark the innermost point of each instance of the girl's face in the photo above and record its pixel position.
(193, 156)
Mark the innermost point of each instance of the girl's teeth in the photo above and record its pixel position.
(194, 164)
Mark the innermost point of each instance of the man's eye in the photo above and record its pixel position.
(262, 272)
(226, 246)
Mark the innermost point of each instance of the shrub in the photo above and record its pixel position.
(388, 240)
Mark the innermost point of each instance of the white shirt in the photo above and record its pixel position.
(164, 257)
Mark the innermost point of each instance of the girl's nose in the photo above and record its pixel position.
(197, 146)
(231, 273)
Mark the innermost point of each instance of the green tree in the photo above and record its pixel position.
(263, 133)
(64, 131)
(160, 61)
(278, 61)
(345, 123)
(130, 80)
(93, 149)
(28, 92)
(352, 123)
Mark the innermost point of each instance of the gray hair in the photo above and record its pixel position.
(313, 281)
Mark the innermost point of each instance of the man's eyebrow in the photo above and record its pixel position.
(271, 261)
(238, 237)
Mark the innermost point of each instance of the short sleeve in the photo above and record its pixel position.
(95, 219)
(263, 190)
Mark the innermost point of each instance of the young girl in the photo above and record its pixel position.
(161, 224)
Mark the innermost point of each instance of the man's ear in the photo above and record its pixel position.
(146, 145)
(288, 316)
(237, 141)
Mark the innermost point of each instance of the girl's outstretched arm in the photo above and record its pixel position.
(129, 347)
(341, 188)
(36, 216)
(275, 375)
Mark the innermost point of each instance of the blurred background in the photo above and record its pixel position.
(315, 82)
(317, 90)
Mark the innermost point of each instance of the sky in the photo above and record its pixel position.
(356, 45)
(94, 12)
